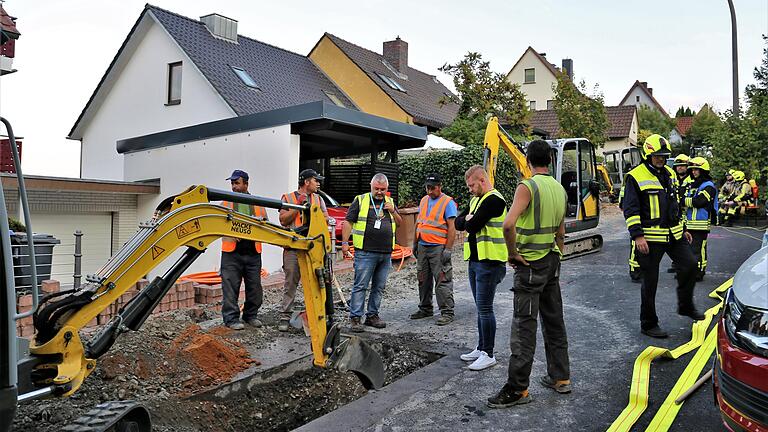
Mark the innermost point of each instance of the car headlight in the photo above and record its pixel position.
(746, 327)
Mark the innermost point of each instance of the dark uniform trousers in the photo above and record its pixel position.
(697, 246)
(537, 293)
(235, 267)
(685, 264)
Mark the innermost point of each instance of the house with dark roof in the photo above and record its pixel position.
(187, 101)
(640, 94)
(622, 129)
(536, 77)
(384, 84)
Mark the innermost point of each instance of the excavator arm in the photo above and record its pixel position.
(607, 179)
(495, 137)
(189, 221)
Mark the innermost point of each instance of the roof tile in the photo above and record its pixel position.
(619, 119)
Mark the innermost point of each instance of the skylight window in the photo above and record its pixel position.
(245, 77)
(391, 82)
(394, 71)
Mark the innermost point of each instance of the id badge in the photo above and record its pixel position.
(377, 224)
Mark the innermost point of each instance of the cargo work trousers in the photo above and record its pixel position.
(434, 274)
(236, 267)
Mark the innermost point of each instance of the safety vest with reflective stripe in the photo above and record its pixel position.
(358, 229)
(490, 239)
(698, 219)
(228, 243)
(293, 198)
(432, 227)
(650, 188)
(537, 226)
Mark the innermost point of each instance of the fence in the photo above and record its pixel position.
(64, 263)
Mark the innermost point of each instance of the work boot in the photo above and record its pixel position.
(283, 325)
(508, 397)
(655, 332)
(444, 319)
(421, 314)
(691, 313)
(236, 325)
(355, 325)
(562, 386)
(375, 322)
(254, 323)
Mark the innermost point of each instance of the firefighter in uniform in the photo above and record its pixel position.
(701, 210)
(654, 221)
(733, 204)
(682, 181)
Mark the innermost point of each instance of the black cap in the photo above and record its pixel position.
(310, 173)
(236, 174)
(433, 179)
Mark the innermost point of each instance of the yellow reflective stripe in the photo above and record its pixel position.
(632, 262)
(638, 392)
(654, 205)
(698, 225)
(433, 232)
(706, 194)
(689, 202)
(633, 220)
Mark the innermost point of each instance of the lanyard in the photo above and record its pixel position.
(379, 210)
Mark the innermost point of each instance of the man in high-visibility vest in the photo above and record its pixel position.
(682, 181)
(654, 220)
(241, 260)
(372, 220)
(701, 206)
(309, 184)
(534, 231)
(435, 234)
(486, 252)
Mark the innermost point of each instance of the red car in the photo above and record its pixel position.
(741, 368)
(336, 211)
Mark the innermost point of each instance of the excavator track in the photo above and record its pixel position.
(582, 245)
(113, 416)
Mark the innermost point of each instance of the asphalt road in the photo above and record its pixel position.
(602, 316)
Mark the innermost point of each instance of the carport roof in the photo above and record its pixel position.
(33, 182)
(326, 131)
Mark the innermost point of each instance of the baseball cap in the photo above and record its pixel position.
(308, 174)
(433, 179)
(236, 174)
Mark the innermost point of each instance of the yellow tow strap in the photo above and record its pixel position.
(638, 392)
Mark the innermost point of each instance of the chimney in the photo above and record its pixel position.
(396, 53)
(221, 26)
(650, 90)
(568, 68)
(543, 55)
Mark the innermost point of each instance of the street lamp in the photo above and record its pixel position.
(734, 60)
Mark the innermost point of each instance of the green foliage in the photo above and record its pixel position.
(642, 134)
(465, 130)
(580, 115)
(654, 121)
(451, 165)
(16, 225)
(739, 142)
(704, 124)
(685, 112)
(483, 92)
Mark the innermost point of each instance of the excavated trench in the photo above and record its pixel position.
(288, 396)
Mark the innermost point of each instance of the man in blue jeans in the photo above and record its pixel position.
(372, 220)
(486, 251)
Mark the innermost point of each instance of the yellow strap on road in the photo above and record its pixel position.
(638, 392)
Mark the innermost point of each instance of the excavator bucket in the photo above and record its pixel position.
(355, 355)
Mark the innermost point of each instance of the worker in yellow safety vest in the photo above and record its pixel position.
(241, 261)
(534, 230)
(432, 245)
(372, 220)
(486, 251)
(654, 220)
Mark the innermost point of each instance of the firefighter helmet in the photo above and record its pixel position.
(699, 162)
(656, 145)
(682, 159)
(738, 176)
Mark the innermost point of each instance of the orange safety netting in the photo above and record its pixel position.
(210, 277)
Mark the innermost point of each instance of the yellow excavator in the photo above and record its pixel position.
(58, 360)
(574, 166)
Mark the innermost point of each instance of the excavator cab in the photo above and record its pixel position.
(575, 167)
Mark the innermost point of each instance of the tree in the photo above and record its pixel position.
(704, 124)
(654, 121)
(684, 112)
(580, 115)
(482, 92)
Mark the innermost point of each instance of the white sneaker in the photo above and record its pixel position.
(482, 362)
(471, 356)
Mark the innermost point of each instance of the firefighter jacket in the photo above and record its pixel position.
(701, 205)
(651, 205)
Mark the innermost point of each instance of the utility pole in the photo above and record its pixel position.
(734, 60)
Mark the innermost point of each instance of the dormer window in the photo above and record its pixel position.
(245, 78)
(391, 82)
(174, 84)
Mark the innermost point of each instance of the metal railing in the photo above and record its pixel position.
(64, 255)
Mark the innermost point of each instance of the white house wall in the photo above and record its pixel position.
(135, 104)
(638, 97)
(270, 156)
(539, 91)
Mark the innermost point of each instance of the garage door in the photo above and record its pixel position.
(97, 241)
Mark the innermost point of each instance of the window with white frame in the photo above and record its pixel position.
(530, 76)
